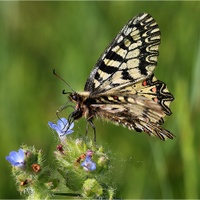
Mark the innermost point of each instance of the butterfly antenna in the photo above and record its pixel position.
(54, 72)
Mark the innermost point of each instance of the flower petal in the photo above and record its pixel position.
(62, 123)
(16, 158)
(9, 159)
(93, 166)
(71, 125)
(62, 127)
(52, 125)
(88, 165)
(69, 132)
(21, 154)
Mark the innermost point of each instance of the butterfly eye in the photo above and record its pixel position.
(74, 97)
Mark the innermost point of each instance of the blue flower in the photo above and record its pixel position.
(88, 165)
(16, 158)
(62, 127)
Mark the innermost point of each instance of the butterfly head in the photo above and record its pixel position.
(78, 97)
(80, 107)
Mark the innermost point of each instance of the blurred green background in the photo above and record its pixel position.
(36, 37)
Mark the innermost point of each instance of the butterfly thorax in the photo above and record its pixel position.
(88, 106)
(82, 107)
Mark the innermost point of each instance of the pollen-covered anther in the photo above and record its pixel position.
(23, 183)
(60, 148)
(80, 158)
(36, 168)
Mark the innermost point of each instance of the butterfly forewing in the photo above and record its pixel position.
(131, 57)
(122, 87)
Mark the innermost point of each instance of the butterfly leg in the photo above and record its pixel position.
(90, 122)
(94, 129)
(63, 107)
(87, 127)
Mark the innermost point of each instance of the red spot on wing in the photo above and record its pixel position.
(144, 83)
(155, 99)
(115, 97)
(154, 89)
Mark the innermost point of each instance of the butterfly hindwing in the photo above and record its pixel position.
(132, 111)
(141, 107)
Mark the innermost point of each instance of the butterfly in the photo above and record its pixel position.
(122, 87)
